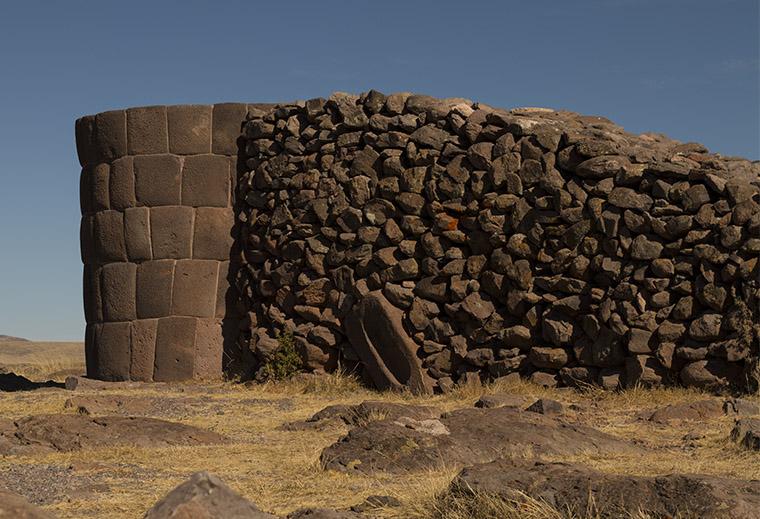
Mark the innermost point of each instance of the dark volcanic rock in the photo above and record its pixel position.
(460, 438)
(577, 489)
(75, 432)
(376, 331)
(204, 496)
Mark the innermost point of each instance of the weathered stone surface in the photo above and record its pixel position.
(157, 180)
(474, 435)
(112, 350)
(194, 288)
(712, 374)
(376, 333)
(137, 234)
(694, 411)
(227, 118)
(206, 181)
(73, 432)
(109, 236)
(204, 495)
(189, 129)
(121, 184)
(147, 130)
(575, 489)
(117, 286)
(212, 238)
(171, 231)
(143, 349)
(175, 349)
(154, 288)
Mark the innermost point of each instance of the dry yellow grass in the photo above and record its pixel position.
(42, 360)
(280, 470)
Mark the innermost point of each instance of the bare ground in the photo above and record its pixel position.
(280, 470)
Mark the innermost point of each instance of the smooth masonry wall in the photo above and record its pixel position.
(157, 190)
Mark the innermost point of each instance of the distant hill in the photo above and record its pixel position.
(11, 338)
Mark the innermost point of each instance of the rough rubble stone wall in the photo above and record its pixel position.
(157, 223)
(489, 243)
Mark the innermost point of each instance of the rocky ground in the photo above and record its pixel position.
(514, 449)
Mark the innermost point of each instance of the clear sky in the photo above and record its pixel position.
(685, 68)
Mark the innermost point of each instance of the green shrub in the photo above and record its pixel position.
(286, 361)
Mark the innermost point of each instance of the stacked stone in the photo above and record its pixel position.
(156, 235)
(530, 241)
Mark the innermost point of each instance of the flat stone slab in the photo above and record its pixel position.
(461, 438)
(700, 410)
(66, 433)
(354, 415)
(577, 489)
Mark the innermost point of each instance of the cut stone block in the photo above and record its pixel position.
(226, 293)
(194, 290)
(87, 239)
(175, 349)
(113, 351)
(122, 184)
(206, 181)
(143, 349)
(171, 231)
(99, 184)
(84, 129)
(137, 233)
(85, 191)
(157, 180)
(93, 305)
(154, 288)
(109, 138)
(90, 350)
(147, 130)
(117, 291)
(189, 129)
(209, 344)
(213, 233)
(109, 236)
(227, 121)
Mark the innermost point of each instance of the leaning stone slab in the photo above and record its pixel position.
(376, 332)
(575, 489)
(204, 496)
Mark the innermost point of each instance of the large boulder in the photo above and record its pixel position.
(204, 496)
(375, 330)
(575, 489)
(460, 438)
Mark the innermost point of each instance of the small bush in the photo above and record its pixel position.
(286, 361)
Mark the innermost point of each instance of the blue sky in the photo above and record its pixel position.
(685, 68)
